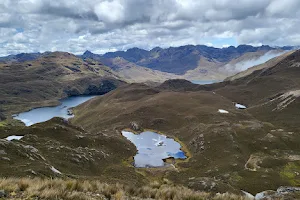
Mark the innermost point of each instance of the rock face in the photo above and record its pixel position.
(135, 126)
(287, 193)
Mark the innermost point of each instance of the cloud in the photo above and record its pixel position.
(110, 11)
(120, 24)
(243, 65)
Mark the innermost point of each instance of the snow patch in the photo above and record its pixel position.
(240, 106)
(55, 170)
(223, 111)
(27, 122)
(126, 132)
(248, 195)
(286, 99)
(14, 137)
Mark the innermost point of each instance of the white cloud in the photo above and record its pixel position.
(103, 25)
(243, 65)
(110, 11)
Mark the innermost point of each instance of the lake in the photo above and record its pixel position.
(43, 114)
(153, 148)
(204, 82)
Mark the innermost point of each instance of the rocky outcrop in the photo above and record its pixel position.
(285, 193)
(2, 117)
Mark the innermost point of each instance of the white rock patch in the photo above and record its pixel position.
(286, 99)
(223, 111)
(14, 137)
(248, 195)
(240, 106)
(55, 170)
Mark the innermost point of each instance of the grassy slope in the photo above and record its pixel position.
(258, 89)
(53, 76)
(88, 190)
(231, 148)
(267, 64)
(72, 150)
(220, 144)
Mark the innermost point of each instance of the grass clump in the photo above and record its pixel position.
(37, 188)
(291, 172)
(3, 124)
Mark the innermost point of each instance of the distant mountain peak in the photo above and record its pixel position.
(87, 52)
(156, 49)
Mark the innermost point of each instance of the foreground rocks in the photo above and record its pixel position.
(283, 193)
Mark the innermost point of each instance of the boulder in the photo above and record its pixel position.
(2, 194)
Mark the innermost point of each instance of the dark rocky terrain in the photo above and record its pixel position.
(253, 149)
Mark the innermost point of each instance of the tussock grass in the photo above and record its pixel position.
(38, 188)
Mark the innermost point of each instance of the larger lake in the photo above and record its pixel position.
(45, 113)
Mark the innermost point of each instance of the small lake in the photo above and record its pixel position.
(153, 148)
(204, 82)
(43, 114)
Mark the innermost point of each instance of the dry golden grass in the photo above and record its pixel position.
(37, 188)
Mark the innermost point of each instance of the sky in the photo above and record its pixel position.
(109, 25)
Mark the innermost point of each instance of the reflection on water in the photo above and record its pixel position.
(153, 148)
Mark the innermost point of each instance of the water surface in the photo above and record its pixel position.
(153, 148)
(204, 82)
(43, 114)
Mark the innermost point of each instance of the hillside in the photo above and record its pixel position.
(22, 57)
(272, 91)
(52, 76)
(133, 73)
(269, 63)
(245, 145)
(253, 149)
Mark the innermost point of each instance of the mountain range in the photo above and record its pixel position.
(189, 62)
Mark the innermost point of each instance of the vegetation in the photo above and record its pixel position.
(292, 172)
(25, 188)
(52, 76)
